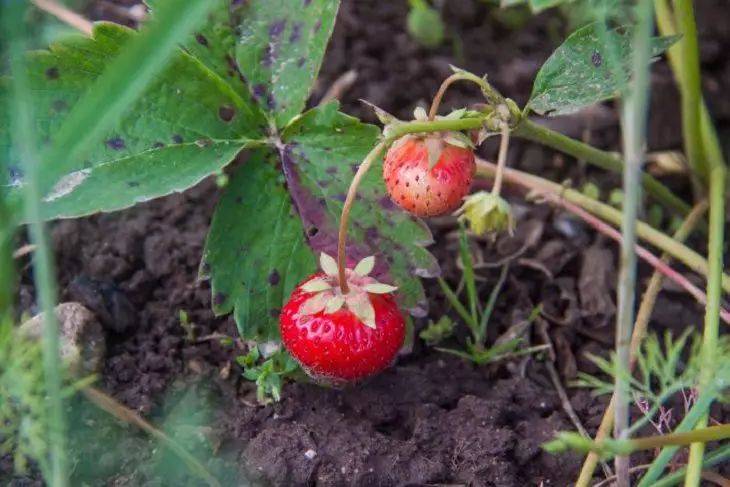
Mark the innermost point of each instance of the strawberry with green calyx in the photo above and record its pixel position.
(341, 337)
(429, 175)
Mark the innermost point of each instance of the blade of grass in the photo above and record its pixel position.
(453, 300)
(717, 457)
(690, 88)
(489, 308)
(634, 122)
(23, 136)
(667, 27)
(707, 161)
(120, 84)
(712, 310)
(471, 285)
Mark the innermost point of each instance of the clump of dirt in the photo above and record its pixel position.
(432, 421)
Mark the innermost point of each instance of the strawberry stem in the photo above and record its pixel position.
(501, 160)
(351, 192)
(457, 76)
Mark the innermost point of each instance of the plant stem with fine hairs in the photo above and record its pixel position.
(634, 120)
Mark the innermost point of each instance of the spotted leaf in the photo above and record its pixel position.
(321, 151)
(188, 122)
(256, 252)
(592, 65)
(279, 51)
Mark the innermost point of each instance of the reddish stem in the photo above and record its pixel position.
(349, 200)
(501, 160)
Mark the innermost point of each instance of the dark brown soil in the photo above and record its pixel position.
(431, 419)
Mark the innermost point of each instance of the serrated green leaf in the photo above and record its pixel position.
(280, 50)
(256, 252)
(214, 43)
(185, 104)
(321, 151)
(592, 65)
(123, 182)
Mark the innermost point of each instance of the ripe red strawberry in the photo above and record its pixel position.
(423, 188)
(342, 338)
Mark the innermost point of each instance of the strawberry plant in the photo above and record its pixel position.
(86, 127)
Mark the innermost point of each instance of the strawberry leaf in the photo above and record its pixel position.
(137, 178)
(214, 44)
(321, 151)
(592, 65)
(280, 50)
(255, 253)
(187, 123)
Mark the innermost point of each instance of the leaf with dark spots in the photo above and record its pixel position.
(325, 138)
(253, 215)
(201, 39)
(214, 44)
(219, 299)
(137, 178)
(592, 65)
(280, 47)
(226, 113)
(296, 32)
(180, 105)
(276, 28)
(115, 143)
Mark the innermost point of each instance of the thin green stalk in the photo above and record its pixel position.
(23, 137)
(634, 122)
(666, 24)
(690, 87)
(712, 310)
(705, 157)
(716, 457)
(121, 83)
(575, 441)
(453, 300)
(700, 407)
(704, 435)
(471, 285)
(530, 130)
(487, 313)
